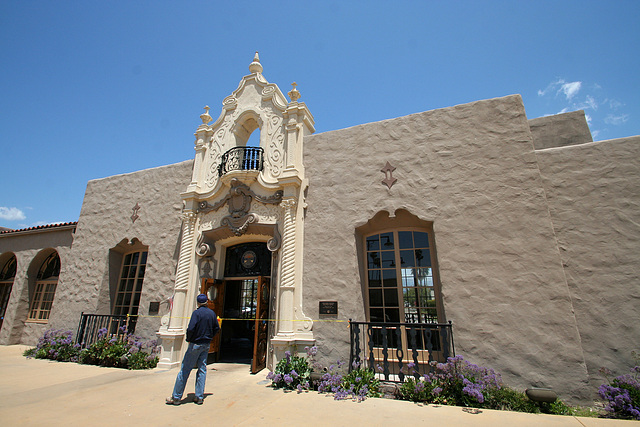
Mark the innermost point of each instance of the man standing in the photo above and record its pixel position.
(203, 326)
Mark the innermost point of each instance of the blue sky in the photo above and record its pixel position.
(92, 89)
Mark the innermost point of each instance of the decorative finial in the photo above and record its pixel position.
(206, 118)
(255, 66)
(293, 93)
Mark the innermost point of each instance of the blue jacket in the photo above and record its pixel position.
(203, 326)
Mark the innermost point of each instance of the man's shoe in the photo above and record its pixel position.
(199, 401)
(172, 401)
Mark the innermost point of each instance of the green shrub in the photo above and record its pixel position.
(360, 383)
(291, 373)
(416, 390)
(120, 351)
(556, 408)
(508, 399)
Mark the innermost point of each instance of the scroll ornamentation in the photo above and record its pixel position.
(203, 248)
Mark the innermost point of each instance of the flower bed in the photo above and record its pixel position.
(455, 382)
(123, 350)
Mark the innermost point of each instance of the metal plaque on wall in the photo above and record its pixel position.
(328, 307)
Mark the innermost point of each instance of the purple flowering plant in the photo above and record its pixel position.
(55, 345)
(292, 372)
(622, 393)
(456, 382)
(122, 350)
(357, 385)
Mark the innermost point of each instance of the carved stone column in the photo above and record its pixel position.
(183, 273)
(171, 333)
(287, 269)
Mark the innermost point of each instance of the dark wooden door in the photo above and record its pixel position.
(261, 336)
(215, 292)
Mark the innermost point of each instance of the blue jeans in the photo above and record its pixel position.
(196, 355)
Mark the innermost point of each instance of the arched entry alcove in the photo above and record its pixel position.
(241, 292)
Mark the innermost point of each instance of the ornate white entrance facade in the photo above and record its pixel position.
(244, 194)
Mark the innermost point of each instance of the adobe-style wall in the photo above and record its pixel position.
(593, 191)
(105, 220)
(560, 130)
(29, 247)
(471, 170)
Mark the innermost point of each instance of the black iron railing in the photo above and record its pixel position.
(394, 350)
(91, 324)
(242, 158)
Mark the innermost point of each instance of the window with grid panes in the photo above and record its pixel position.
(130, 284)
(248, 298)
(400, 278)
(7, 274)
(45, 289)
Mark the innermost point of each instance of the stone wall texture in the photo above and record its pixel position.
(105, 220)
(560, 130)
(30, 251)
(472, 171)
(593, 192)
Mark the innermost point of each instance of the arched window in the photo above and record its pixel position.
(401, 285)
(7, 274)
(45, 289)
(130, 283)
(399, 277)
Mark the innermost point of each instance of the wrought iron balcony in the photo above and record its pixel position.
(242, 159)
(395, 350)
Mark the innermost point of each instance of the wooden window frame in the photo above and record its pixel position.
(401, 306)
(135, 273)
(42, 301)
(44, 291)
(7, 277)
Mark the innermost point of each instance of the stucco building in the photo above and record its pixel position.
(521, 233)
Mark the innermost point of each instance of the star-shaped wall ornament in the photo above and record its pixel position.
(388, 180)
(135, 215)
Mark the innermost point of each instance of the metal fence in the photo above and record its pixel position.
(395, 350)
(91, 324)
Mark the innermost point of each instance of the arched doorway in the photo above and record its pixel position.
(241, 299)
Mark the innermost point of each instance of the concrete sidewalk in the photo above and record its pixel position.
(40, 392)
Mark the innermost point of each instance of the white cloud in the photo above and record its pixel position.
(570, 89)
(615, 104)
(595, 134)
(588, 118)
(616, 120)
(591, 102)
(11, 214)
(550, 87)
